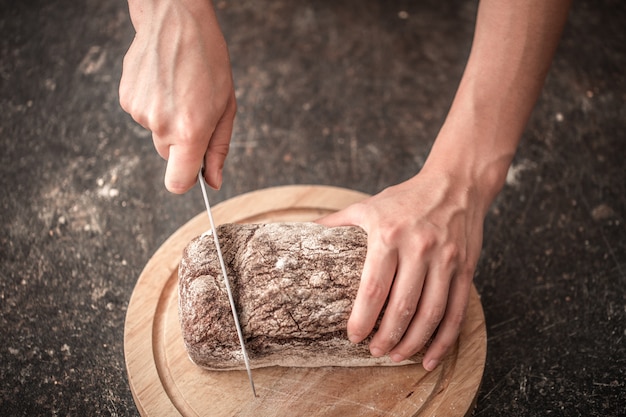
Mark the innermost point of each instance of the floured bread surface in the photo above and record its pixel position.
(293, 286)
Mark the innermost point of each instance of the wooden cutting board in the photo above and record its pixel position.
(164, 382)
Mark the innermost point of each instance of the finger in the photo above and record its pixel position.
(378, 273)
(450, 326)
(183, 164)
(430, 311)
(401, 306)
(218, 150)
(127, 81)
(161, 146)
(132, 94)
(350, 216)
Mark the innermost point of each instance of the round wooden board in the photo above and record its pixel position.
(164, 382)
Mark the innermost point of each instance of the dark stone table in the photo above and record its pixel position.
(334, 92)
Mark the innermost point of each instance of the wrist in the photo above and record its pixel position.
(474, 159)
(147, 12)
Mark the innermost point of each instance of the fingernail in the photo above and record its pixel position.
(396, 357)
(354, 338)
(431, 364)
(376, 352)
(218, 180)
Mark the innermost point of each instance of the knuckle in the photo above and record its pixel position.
(156, 122)
(129, 105)
(450, 253)
(232, 106)
(220, 149)
(433, 315)
(389, 339)
(124, 98)
(184, 126)
(390, 235)
(373, 290)
(404, 309)
(424, 243)
(360, 208)
(466, 272)
(440, 347)
(456, 318)
(186, 129)
(409, 349)
(442, 344)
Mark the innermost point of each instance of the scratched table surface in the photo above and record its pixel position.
(340, 93)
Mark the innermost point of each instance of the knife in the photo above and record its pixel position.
(228, 290)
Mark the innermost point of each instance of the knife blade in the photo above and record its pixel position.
(226, 283)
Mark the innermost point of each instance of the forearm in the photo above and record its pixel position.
(425, 234)
(175, 22)
(512, 50)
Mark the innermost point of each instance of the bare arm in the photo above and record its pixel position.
(425, 235)
(512, 51)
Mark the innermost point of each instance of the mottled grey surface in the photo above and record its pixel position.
(330, 92)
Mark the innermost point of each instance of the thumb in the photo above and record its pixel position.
(182, 169)
(349, 216)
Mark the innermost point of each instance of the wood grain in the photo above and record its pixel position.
(164, 382)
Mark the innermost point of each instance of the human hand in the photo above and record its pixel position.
(177, 83)
(424, 241)
(425, 235)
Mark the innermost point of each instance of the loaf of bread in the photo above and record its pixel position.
(293, 286)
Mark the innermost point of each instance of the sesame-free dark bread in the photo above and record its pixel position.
(293, 286)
